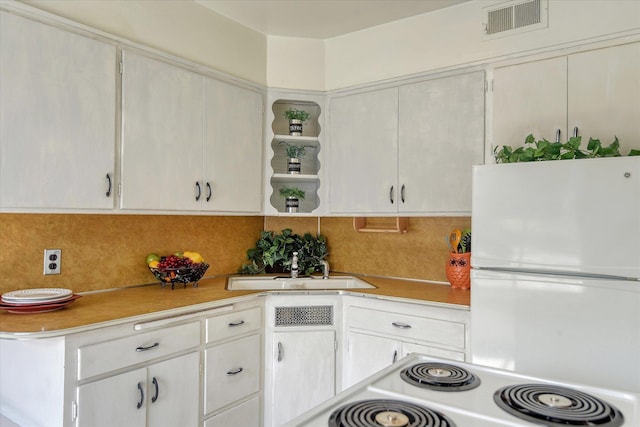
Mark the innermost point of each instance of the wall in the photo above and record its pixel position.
(295, 63)
(181, 28)
(421, 253)
(445, 38)
(108, 251)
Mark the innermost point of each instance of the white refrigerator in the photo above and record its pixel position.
(555, 284)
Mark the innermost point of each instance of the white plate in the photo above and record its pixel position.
(36, 295)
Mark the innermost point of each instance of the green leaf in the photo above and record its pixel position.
(634, 152)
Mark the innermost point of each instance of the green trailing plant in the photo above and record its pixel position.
(295, 114)
(292, 192)
(274, 251)
(544, 150)
(295, 151)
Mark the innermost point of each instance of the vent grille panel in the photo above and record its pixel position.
(315, 315)
(514, 17)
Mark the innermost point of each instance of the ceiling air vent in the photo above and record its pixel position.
(514, 17)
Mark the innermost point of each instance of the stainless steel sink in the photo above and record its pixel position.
(280, 283)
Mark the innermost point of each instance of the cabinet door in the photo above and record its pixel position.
(363, 151)
(604, 95)
(172, 396)
(366, 355)
(441, 135)
(57, 117)
(232, 152)
(161, 135)
(120, 400)
(530, 99)
(303, 372)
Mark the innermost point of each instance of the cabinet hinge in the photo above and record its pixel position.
(119, 190)
(335, 345)
(121, 67)
(74, 410)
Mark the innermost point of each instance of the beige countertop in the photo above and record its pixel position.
(117, 304)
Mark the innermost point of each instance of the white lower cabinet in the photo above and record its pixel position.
(303, 372)
(378, 333)
(162, 394)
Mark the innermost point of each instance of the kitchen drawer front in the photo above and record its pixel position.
(233, 324)
(107, 356)
(246, 414)
(232, 372)
(440, 331)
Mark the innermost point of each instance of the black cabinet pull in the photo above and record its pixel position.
(108, 193)
(234, 324)
(149, 347)
(209, 192)
(401, 325)
(391, 194)
(199, 193)
(141, 401)
(402, 193)
(234, 371)
(155, 396)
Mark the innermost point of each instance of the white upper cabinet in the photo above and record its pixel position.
(604, 95)
(57, 118)
(441, 136)
(161, 135)
(232, 149)
(364, 147)
(407, 149)
(593, 93)
(189, 142)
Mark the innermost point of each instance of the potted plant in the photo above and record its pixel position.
(293, 196)
(544, 150)
(296, 117)
(294, 154)
(273, 253)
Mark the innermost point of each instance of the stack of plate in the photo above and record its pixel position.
(37, 300)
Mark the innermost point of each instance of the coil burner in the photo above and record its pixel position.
(552, 405)
(440, 376)
(387, 413)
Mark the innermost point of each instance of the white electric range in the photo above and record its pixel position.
(422, 391)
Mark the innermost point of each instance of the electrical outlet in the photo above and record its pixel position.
(52, 260)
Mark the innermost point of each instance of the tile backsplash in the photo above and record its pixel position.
(108, 251)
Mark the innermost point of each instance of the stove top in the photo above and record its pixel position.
(422, 391)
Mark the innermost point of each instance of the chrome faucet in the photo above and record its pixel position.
(325, 269)
(294, 266)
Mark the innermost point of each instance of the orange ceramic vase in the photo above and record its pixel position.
(458, 270)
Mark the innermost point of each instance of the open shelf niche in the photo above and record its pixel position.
(307, 179)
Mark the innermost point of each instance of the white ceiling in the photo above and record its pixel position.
(319, 19)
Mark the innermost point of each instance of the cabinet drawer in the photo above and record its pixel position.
(233, 324)
(426, 329)
(107, 356)
(232, 371)
(246, 414)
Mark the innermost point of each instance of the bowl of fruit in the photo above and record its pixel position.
(180, 267)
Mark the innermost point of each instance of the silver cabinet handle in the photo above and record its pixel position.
(558, 135)
(235, 371)
(199, 191)
(141, 401)
(402, 193)
(280, 352)
(155, 396)
(401, 325)
(395, 356)
(108, 193)
(391, 194)
(209, 192)
(234, 324)
(575, 131)
(148, 347)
